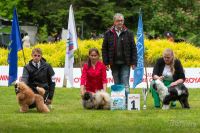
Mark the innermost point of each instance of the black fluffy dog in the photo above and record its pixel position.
(173, 93)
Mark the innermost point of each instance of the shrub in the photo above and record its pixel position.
(188, 54)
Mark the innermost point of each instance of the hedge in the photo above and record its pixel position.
(188, 54)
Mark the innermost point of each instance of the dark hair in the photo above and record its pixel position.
(91, 50)
(156, 36)
(26, 34)
(150, 37)
(44, 41)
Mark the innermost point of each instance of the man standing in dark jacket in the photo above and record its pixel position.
(119, 51)
(39, 73)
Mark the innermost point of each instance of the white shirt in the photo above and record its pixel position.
(167, 71)
(37, 63)
(118, 32)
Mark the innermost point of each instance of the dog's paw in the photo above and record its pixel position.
(165, 107)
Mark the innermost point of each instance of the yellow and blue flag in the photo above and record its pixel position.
(139, 70)
(15, 45)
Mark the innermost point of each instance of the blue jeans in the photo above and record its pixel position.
(121, 74)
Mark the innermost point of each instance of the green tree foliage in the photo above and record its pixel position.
(194, 39)
(130, 10)
(40, 12)
(178, 16)
(95, 14)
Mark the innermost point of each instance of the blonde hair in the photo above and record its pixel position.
(38, 50)
(172, 69)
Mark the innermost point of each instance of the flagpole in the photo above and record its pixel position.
(79, 60)
(145, 70)
(24, 56)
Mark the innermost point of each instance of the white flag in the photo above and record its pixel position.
(72, 45)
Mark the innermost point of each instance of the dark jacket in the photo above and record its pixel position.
(59, 37)
(108, 46)
(42, 77)
(119, 56)
(159, 67)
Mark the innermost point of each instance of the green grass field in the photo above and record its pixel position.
(8, 30)
(68, 115)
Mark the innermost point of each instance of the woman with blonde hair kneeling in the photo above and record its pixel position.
(169, 70)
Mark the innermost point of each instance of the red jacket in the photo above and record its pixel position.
(94, 79)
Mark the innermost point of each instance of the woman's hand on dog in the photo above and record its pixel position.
(176, 82)
(161, 78)
(155, 77)
(173, 84)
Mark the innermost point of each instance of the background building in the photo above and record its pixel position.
(5, 31)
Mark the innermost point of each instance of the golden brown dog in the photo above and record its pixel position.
(26, 97)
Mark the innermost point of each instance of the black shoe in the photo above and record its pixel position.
(156, 107)
(173, 106)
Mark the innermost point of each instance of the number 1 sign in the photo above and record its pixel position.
(133, 101)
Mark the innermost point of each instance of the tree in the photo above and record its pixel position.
(95, 14)
(130, 10)
(180, 17)
(39, 12)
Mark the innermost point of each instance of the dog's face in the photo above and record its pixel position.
(88, 95)
(89, 100)
(156, 84)
(20, 87)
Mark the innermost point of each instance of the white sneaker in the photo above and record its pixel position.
(49, 106)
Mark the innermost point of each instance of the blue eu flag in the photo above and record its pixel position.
(15, 45)
(139, 70)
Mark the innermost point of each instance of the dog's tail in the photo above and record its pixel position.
(40, 90)
(103, 98)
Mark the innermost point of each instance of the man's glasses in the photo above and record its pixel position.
(119, 21)
(36, 55)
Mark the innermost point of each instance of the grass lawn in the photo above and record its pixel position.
(68, 115)
(8, 30)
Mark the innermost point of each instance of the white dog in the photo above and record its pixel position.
(173, 93)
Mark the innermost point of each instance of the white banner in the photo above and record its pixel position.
(192, 77)
(59, 75)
